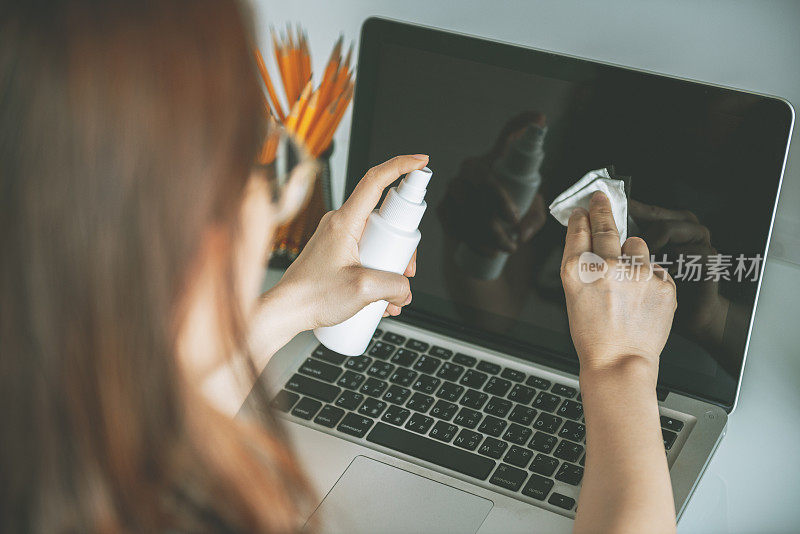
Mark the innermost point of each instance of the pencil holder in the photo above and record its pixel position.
(293, 236)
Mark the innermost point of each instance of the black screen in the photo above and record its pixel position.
(702, 164)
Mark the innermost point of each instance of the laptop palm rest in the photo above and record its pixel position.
(373, 497)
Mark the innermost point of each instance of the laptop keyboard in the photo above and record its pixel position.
(522, 433)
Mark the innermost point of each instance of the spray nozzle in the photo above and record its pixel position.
(413, 186)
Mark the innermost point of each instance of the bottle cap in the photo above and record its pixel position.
(413, 186)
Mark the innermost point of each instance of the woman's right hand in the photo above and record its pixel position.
(614, 318)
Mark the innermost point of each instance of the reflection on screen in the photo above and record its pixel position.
(703, 170)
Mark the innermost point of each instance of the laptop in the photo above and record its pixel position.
(465, 414)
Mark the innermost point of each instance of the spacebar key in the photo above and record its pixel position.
(432, 451)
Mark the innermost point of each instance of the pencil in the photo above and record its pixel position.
(309, 114)
(273, 95)
(300, 106)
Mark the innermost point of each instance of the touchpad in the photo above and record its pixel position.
(373, 497)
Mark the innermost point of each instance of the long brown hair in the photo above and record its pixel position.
(127, 128)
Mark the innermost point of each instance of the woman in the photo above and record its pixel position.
(134, 235)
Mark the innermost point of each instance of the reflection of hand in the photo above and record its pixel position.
(477, 208)
(327, 279)
(615, 318)
(680, 233)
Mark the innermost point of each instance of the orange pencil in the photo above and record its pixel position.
(299, 109)
(341, 108)
(308, 115)
(268, 83)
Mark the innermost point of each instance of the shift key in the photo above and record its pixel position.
(313, 388)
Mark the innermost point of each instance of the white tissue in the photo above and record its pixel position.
(580, 193)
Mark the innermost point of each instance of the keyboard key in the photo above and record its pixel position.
(537, 487)
(543, 442)
(381, 370)
(372, 407)
(488, 367)
(419, 423)
(381, 350)
(419, 402)
(355, 425)
(417, 345)
(492, 426)
(284, 400)
(468, 418)
(562, 501)
(396, 415)
(378, 333)
(671, 424)
(572, 431)
(508, 477)
(426, 384)
(463, 359)
(404, 357)
(544, 465)
(522, 415)
(329, 416)
(444, 410)
(669, 438)
(397, 394)
(570, 474)
(324, 353)
(497, 386)
(538, 383)
(583, 460)
(474, 399)
(313, 388)
(443, 431)
(564, 391)
(427, 364)
(321, 370)
(546, 401)
(513, 374)
(403, 377)
(440, 352)
(450, 371)
(373, 387)
(570, 409)
(350, 380)
(306, 408)
(522, 394)
(473, 379)
(391, 337)
(450, 392)
(568, 451)
(349, 400)
(467, 439)
(429, 450)
(493, 447)
(497, 407)
(547, 423)
(358, 363)
(519, 456)
(517, 434)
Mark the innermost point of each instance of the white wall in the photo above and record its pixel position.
(753, 45)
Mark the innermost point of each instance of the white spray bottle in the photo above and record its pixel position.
(390, 237)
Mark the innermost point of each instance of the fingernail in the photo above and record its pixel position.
(420, 156)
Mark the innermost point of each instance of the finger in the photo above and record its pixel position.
(635, 247)
(579, 235)
(663, 274)
(392, 310)
(507, 210)
(663, 233)
(605, 236)
(501, 239)
(411, 268)
(372, 285)
(368, 191)
(646, 212)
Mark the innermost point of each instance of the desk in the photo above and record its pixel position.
(753, 482)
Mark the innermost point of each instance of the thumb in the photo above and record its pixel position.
(371, 285)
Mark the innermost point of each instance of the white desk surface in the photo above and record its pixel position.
(753, 482)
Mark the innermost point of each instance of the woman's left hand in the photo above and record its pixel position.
(327, 284)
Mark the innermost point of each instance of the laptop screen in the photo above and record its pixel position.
(702, 166)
